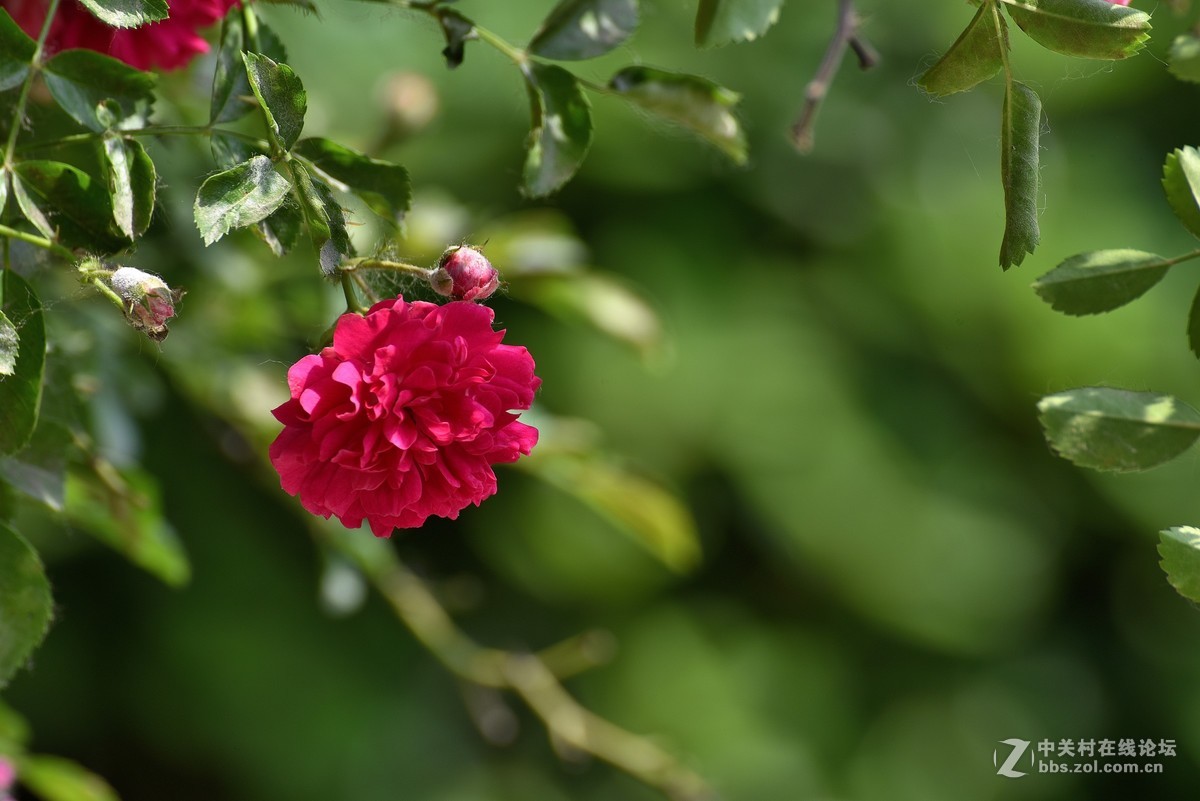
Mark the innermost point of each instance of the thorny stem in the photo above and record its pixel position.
(34, 66)
(535, 678)
(384, 264)
(844, 35)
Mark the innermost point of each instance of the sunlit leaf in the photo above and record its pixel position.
(66, 204)
(16, 52)
(132, 183)
(1179, 548)
(21, 391)
(25, 603)
(975, 56)
(1117, 429)
(39, 469)
(720, 22)
(281, 95)
(598, 300)
(57, 779)
(562, 128)
(9, 340)
(1020, 131)
(241, 196)
(123, 510)
(1185, 58)
(1181, 182)
(697, 104)
(1100, 281)
(383, 186)
(1086, 28)
(127, 13)
(581, 29)
(81, 81)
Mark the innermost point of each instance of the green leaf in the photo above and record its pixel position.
(132, 183)
(1185, 58)
(334, 251)
(720, 22)
(123, 510)
(53, 778)
(281, 95)
(580, 29)
(82, 80)
(66, 204)
(21, 392)
(383, 186)
(1181, 182)
(1116, 429)
(232, 96)
(697, 104)
(1021, 128)
(602, 302)
(39, 469)
(458, 30)
(1101, 280)
(9, 341)
(1085, 28)
(14, 730)
(975, 56)
(281, 231)
(25, 602)
(16, 52)
(1193, 330)
(562, 128)
(229, 151)
(127, 13)
(237, 197)
(1179, 548)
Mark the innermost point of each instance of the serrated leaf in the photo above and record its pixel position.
(720, 22)
(229, 151)
(281, 231)
(240, 196)
(127, 13)
(123, 510)
(975, 56)
(383, 186)
(1101, 280)
(1184, 59)
(1085, 28)
(458, 30)
(16, 52)
(56, 779)
(132, 183)
(21, 392)
(1021, 128)
(281, 95)
(580, 29)
(9, 340)
(1193, 325)
(82, 80)
(1179, 548)
(1181, 182)
(232, 96)
(562, 128)
(333, 252)
(66, 204)
(316, 218)
(1117, 429)
(25, 603)
(697, 104)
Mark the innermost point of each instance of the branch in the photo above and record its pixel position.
(844, 35)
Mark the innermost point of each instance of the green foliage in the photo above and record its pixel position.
(1179, 548)
(581, 29)
(238, 197)
(1085, 28)
(127, 13)
(38, 470)
(21, 390)
(1181, 182)
(25, 604)
(1116, 429)
(383, 186)
(1184, 58)
(281, 96)
(99, 91)
(16, 51)
(232, 96)
(323, 217)
(1020, 131)
(1193, 325)
(975, 56)
(9, 341)
(458, 30)
(67, 205)
(132, 183)
(58, 779)
(695, 103)
(1101, 280)
(562, 128)
(721, 22)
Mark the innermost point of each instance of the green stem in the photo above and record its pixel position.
(39, 241)
(1185, 257)
(352, 304)
(35, 66)
(153, 130)
(514, 54)
(385, 264)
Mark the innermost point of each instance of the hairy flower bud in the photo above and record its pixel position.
(147, 299)
(463, 273)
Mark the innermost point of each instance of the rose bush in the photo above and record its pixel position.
(403, 416)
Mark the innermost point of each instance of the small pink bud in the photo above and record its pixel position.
(1119, 2)
(149, 302)
(464, 274)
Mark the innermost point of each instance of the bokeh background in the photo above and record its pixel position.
(896, 573)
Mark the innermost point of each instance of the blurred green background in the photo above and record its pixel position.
(896, 572)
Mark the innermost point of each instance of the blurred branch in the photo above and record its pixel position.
(535, 678)
(845, 35)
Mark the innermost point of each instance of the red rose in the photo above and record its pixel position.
(404, 415)
(167, 45)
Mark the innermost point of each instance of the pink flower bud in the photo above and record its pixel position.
(464, 274)
(149, 302)
(1119, 2)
